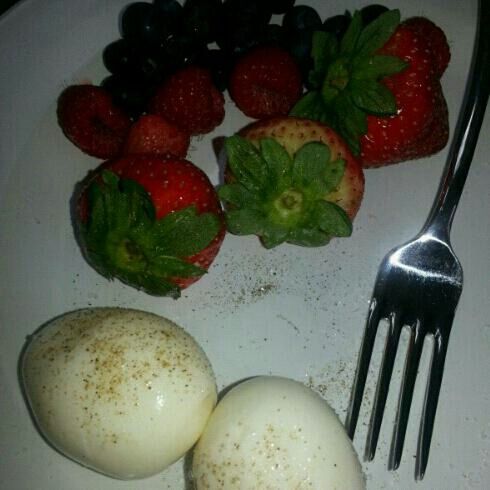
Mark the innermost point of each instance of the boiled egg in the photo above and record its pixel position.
(273, 433)
(121, 391)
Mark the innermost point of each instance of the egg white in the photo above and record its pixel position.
(273, 433)
(122, 391)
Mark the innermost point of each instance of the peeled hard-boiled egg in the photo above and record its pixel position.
(122, 391)
(273, 433)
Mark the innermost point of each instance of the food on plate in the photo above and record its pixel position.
(243, 23)
(436, 40)
(145, 25)
(337, 24)
(153, 135)
(138, 62)
(91, 121)
(299, 23)
(190, 100)
(122, 391)
(131, 95)
(154, 223)
(379, 87)
(266, 82)
(291, 180)
(421, 126)
(218, 64)
(372, 79)
(301, 17)
(200, 21)
(272, 432)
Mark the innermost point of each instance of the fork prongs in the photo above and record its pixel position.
(374, 316)
(415, 345)
(430, 404)
(414, 352)
(385, 373)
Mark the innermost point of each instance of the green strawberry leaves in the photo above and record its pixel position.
(348, 43)
(376, 34)
(282, 198)
(377, 66)
(122, 237)
(346, 79)
(373, 97)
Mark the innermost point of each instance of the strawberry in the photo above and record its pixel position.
(432, 139)
(266, 82)
(190, 100)
(420, 106)
(291, 180)
(154, 135)
(154, 223)
(91, 121)
(436, 41)
(379, 88)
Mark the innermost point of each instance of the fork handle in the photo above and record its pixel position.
(466, 133)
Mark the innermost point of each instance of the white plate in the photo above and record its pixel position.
(290, 311)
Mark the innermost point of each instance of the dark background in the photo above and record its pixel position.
(5, 4)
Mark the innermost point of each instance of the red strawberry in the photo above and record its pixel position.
(154, 223)
(436, 41)
(91, 121)
(189, 100)
(420, 106)
(266, 82)
(153, 135)
(436, 135)
(380, 88)
(298, 182)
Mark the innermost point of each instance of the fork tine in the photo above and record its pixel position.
(374, 316)
(415, 345)
(430, 403)
(386, 370)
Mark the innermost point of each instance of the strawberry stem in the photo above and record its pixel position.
(122, 237)
(283, 199)
(346, 78)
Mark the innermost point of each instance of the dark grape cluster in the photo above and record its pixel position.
(161, 37)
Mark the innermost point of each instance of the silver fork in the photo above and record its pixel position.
(419, 283)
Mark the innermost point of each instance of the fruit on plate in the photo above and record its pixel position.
(379, 87)
(421, 125)
(436, 40)
(266, 82)
(124, 392)
(242, 24)
(291, 180)
(91, 121)
(190, 100)
(154, 135)
(273, 432)
(298, 25)
(154, 223)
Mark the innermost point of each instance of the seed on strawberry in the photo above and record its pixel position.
(291, 180)
(266, 82)
(91, 121)
(154, 223)
(154, 135)
(190, 100)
